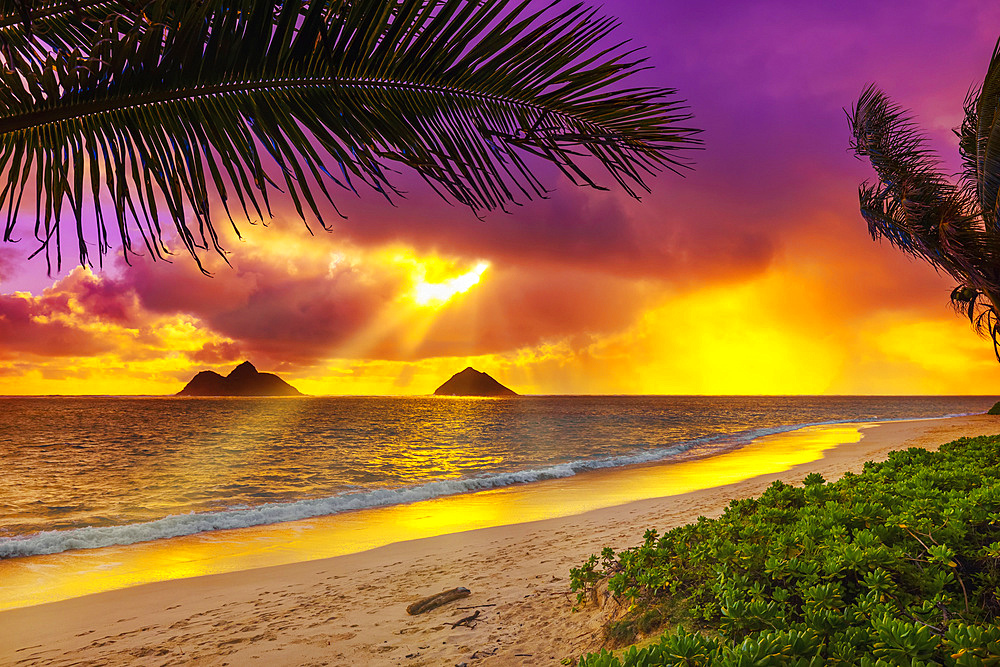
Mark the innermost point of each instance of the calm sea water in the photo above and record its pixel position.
(88, 472)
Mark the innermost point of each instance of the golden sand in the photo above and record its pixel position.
(251, 596)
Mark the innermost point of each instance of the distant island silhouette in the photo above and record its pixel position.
(471, 382)
(244, 380)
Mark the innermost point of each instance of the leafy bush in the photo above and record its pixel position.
(899, 565)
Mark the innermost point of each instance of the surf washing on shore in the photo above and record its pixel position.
(83, 473)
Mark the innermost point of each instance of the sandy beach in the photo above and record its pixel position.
(351, 609)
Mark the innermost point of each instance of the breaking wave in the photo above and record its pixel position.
(177, 525)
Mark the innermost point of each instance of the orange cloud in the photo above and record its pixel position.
(839, 315)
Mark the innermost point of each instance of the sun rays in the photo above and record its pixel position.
(437, 294)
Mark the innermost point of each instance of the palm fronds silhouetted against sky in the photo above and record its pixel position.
(132, 116)
(918, 209)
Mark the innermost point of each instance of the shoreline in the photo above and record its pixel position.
(350, 609)
(73, 573)
(181, 524)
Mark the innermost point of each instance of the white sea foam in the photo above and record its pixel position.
(91, 537)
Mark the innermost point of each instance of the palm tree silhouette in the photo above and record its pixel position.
(915, 206)
(140, 111)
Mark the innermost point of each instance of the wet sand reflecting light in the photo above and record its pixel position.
(39, 579)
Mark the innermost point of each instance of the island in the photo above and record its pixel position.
(471, 382)
(244, 380)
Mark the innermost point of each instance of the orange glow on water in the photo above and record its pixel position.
(39, 579)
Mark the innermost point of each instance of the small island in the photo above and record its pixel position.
(471, 382)
(244, 380)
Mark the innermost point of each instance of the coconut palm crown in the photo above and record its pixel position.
(918, 209)
(127, 117)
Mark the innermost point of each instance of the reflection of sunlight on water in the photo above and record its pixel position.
(243, 452)
(412, 464)
(39, 579)
(113, 462)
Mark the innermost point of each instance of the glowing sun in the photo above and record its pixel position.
(438, 293)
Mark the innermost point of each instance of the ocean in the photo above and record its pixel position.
(80, 473)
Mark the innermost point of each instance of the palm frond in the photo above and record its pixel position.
(888, 136)
(913, 205)
(198, 102)
(954, 228)
(988, 142)
(942, 236)
(972, 302)
(30, 29)
(970, 145)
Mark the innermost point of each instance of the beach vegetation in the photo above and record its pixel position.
(918, 209)
(897, 565)
(127, 118)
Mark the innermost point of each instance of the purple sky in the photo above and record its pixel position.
(774, 193)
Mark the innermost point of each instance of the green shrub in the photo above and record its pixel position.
(897, 565)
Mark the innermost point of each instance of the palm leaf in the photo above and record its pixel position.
(30, 29)
(237, 102)
(915, 207)
(975, 305)
(970, 146)
(988, 140)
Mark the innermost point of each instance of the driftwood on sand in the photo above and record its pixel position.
(467, 621)
(435, 601)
